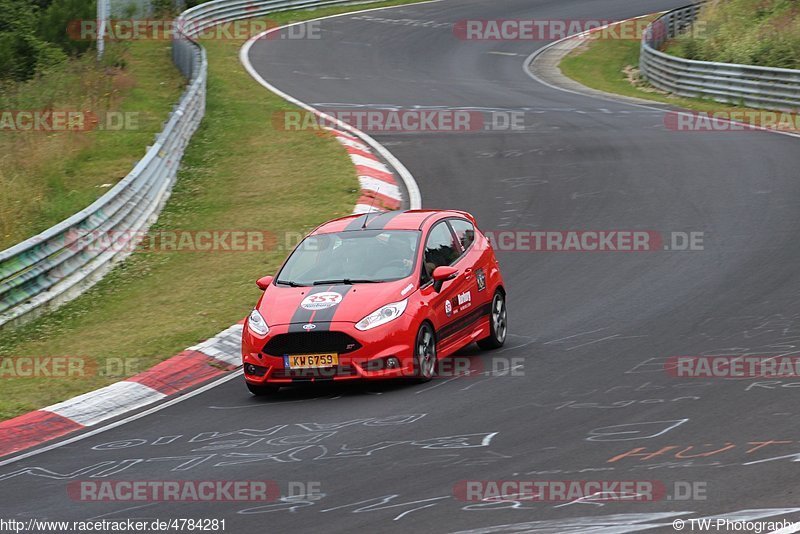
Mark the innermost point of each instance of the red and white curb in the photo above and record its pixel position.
(217, 356)
(200, 363)
(379, 188)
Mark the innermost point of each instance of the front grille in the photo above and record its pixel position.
(311, 343)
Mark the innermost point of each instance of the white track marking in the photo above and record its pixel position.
(791, 529)
(121, 422)
(576, 335)
(120, 511)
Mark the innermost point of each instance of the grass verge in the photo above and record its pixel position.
(749, 32)
(238, 173)
(136, 80)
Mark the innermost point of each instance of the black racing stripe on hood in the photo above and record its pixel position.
(359, 222)
(379, 222)
(301, 315)
(325, 316)
(321, 318)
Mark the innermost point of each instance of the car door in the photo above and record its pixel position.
(476, 261)
(448, 305)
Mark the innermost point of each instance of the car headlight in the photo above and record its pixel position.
(382, 315)
(257, 324)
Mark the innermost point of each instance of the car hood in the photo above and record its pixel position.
(349, 303)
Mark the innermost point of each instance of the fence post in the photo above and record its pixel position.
(103, 14)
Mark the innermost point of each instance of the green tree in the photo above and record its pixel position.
(59, 17)
(19, 47)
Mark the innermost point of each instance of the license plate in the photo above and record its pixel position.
(311, 361)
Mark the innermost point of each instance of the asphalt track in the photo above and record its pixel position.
(592, 329)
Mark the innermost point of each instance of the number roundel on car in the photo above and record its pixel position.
(320, 301)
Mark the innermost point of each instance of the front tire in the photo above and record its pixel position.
(262, 390)
(425, 353)
(498, 323)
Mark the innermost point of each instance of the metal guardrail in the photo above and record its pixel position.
(64, 261)
(759, 87)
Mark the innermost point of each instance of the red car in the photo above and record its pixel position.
(375, 296)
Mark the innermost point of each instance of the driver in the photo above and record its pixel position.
(394, 257)
(402, 249)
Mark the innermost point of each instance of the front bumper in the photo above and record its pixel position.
(367, 360)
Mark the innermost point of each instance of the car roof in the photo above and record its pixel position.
(389, 220)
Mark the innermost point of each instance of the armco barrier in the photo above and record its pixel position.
(64, 261)
(759, 87)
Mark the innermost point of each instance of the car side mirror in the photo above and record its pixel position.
(264, 282)
(443, 274)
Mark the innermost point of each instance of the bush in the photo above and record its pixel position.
(33, 35)
(18, 44)
(163, 8)
(54, 21)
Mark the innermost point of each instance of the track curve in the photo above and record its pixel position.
(593, 329)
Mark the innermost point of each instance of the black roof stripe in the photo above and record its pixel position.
(379, 222)
(358, 222)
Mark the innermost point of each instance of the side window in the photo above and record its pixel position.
(465, 232)
(440, 249)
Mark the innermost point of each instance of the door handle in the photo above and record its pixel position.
(467, 274)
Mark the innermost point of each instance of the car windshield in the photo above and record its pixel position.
(361, 256)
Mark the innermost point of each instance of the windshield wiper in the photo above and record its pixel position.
(288, 283)
(345, 281)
